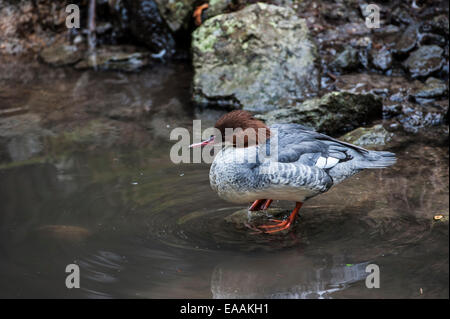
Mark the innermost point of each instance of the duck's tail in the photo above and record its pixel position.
(378, 159)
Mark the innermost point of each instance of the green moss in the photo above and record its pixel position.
(204, 38)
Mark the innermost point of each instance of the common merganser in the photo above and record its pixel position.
(308, 163)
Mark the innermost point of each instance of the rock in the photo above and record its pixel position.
(60, 54)
(368, 136)
(391, 109)
(400, 15)
(176, 13)
(387, 30)
(438, 24)
(432, 88)
(381, 85)
(217, 7)
(381, 59)
(361, 43)
(28, 26)
(347, 60)
(416, 117)
(431, 38)
(334, 113)
(258, 58)
(148, 27)
(356, 29)
(334, 11)
(345, 32)
(407, 40)
(425, 60)
(112, 57)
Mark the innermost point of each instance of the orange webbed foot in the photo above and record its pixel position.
(281, 224)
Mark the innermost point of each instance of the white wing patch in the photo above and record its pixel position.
(326, 162)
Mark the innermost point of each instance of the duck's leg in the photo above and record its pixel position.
(267, 204)
(257, 204)
(283, 224)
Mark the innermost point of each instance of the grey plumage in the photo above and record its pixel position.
(296, 163)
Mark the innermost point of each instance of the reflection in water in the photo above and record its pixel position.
(285, 276)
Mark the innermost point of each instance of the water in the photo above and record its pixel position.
(140, 226)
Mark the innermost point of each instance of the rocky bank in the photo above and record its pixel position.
(310, 62)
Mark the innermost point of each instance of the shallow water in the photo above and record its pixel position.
(140, 226)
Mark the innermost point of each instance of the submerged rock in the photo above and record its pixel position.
(368, 136)
(333, 113)
(22, 137)
(257, 58)
(111, 57)
(64, 232)
(425, 60)
(243, 218)
(60, 54)
(148, 27)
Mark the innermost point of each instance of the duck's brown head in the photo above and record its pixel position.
(240, 129)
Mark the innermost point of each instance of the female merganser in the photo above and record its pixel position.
(304, 164)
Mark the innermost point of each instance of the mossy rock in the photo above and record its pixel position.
(258, 58)
(334, 113)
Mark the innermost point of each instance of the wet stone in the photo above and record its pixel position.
(431, 38)
(391, 109)
(243, 219)
(176, 13)
(334, 113)
(346, 60)
(381, 59)
(148, 27)
(61, 54)
(438, 24)
(407, 40)
(431, 88)
(417, 117)
(425, 60)
(400, 15)
(124, 58)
